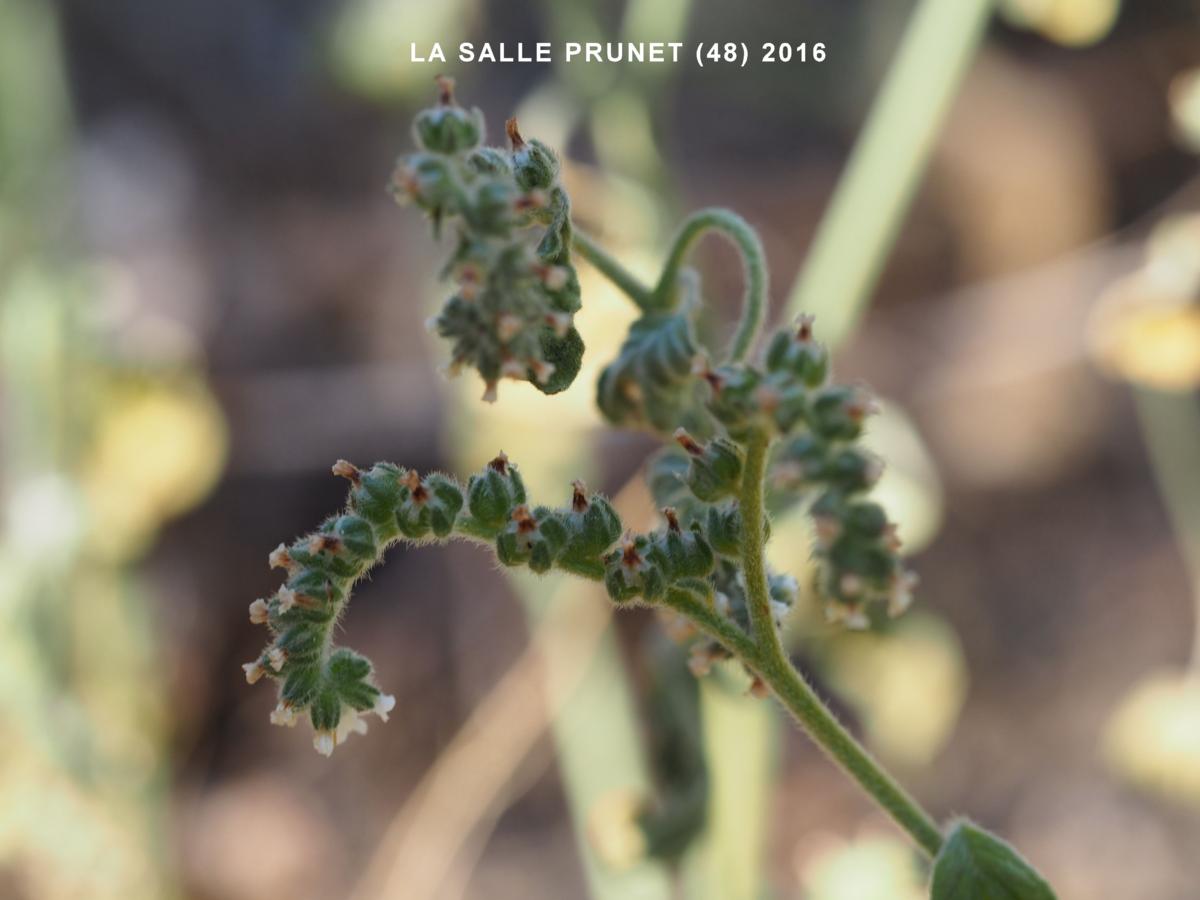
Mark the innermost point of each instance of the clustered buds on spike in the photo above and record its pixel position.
(512, 312)
(512, 316)
(650, 384)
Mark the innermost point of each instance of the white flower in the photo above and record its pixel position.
(384, 704)
(560, 323)
(276, 657)
(286, 598)
(323, 743)
(350, 723)
(254, 671)
(259, 612)
(284, 715)
(542, 370)
(850, 585)
(280, 558)
(900, 592)
(508, 327)
(555, 277)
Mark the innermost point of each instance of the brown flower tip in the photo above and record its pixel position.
(500, 463)
(687, 442)
(861, 405)
(672, 519)
(701, 368)
(759, 689)
(579, 501)
(320, 542)
(510, 128)
(768, 398)
(804, 327)
(416, 490)
(445, 90)
(531, 201)
(524, 519)
(630, 558)
(348, 470)
(280, 558)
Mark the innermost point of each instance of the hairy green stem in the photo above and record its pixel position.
(715, 625)
(793, 692)
(625, 280)
(754, 270)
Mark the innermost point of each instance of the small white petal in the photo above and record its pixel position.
(259, 612)
(350, 723)
(276, 657)
(287, 598)
(254, 671)
(280, 558)
(324, 743)
(284, 715)
(384, 704)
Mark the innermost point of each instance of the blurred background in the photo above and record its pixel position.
(207, 296)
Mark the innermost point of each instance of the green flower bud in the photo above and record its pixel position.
(592, 526)
(424, 180)
(563, 354)
(534, 164)
(735, 399)
(375, 493)
(492, 494)
(490, 209)
(686, 553)
(867, 520)
(837, 412)
(715, 471)
(448, 128)
(650, 382)
(326, 709)
(489, 161)
(444, 503)
(797, 354)
(302, 642)
(300, 686)
(851, 470)
(723, 526)
(357, 538)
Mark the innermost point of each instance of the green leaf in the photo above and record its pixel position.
(976, 865)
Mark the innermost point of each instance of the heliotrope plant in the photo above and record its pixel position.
(746, 435)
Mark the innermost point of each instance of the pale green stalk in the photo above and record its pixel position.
(859, 229)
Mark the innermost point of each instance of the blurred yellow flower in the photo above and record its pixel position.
(1153, 738)
(158, 449)
(1073, 23)
(1185, 107)
(908, 685)
(1146, 326)
(870, 867)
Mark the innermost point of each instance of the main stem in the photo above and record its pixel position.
(762, 650)
(790, 687)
